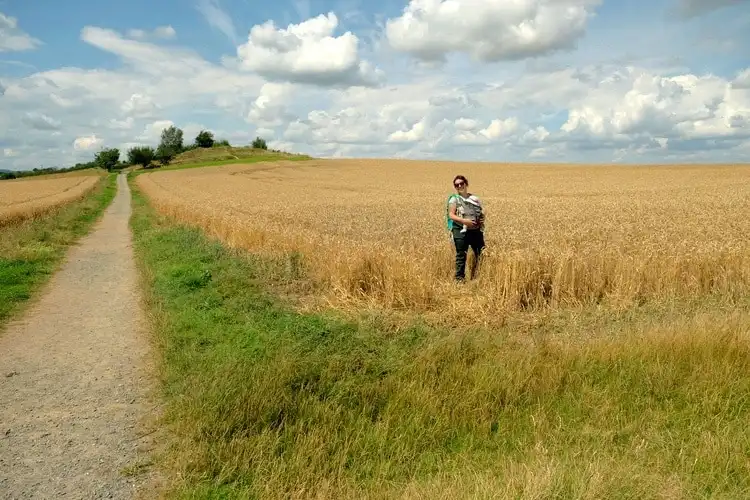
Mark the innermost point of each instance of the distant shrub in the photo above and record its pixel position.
(260, 143)
(204, 139)
(141, 155)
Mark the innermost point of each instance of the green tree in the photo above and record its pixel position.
(204, 139)
(165, 154)
(141, 155)
(260, 143)
(171, 142)
(107, 158)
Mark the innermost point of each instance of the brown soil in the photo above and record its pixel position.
(75, 376)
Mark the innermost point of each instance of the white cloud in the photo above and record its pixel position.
(42, 114)
(138, 105)
(307, 52)
(646, 107)
(8, 152)
(218, 19)
(743, 80)
(87, 143)
(40, 121)
(161, 32)
(466, 124)
(488, 30)
(414, 134)
(500, 128)
(692, 8)
(12, 38)
(151, 134)
(165, 32)
(269, 109)
(304, 91)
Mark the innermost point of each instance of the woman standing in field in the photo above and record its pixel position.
(466, 223)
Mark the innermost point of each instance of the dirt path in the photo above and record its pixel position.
(74, 376)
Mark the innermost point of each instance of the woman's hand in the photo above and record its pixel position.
(470, 223)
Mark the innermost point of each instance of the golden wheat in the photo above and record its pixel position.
(27, 198)
(373, 231)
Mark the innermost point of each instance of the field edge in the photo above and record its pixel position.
(35, 248)
(263, 401)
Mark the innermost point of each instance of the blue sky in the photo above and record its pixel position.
(529, 80)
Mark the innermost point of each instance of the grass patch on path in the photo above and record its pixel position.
(32, 250)
(264, 402)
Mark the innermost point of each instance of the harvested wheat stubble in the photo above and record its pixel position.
(28, 198)
(373, 231)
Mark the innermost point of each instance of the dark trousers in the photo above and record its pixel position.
(473, 239)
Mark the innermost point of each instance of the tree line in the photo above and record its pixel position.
(170, 145)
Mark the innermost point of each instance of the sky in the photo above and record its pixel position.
(595, 81)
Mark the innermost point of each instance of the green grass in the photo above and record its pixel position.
(31, 251)
(216, 163)
(264, 402)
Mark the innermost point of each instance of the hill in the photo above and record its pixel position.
(228, 154)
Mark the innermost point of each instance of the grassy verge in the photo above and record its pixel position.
(216, 163)
(32, 250)
(265, 402)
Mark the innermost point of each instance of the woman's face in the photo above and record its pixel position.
(461, 186)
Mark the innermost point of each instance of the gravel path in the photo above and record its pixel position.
(75, 376)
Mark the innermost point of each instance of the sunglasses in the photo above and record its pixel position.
(460, 184)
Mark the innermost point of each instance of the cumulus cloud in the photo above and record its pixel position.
(307, 52)
(303, 88)
(138, 105)
(270, 107)
(152, 132)
(42, 114)
(161, 32)
(491, 30)
(693, 8)
(12, 38)
(609, 112)
(648, 107)
(87, 143)
(743, 80)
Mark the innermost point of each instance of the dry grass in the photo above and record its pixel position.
(224, 153)
(27, 198)
(264, 402)
(372, 232)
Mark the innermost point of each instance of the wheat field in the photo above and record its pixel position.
(373, 232)
(27, 198)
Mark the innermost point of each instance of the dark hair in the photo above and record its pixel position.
(461, 177)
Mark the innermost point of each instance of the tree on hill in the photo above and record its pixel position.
(141, 155)
(204, 139)
(222, 143)
(171, 139)
(260, 143)
(107, 158)
(164, 154)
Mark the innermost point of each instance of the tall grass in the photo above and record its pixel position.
(265, 402)
(373, 234)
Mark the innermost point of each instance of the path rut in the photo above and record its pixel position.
(75, 375)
